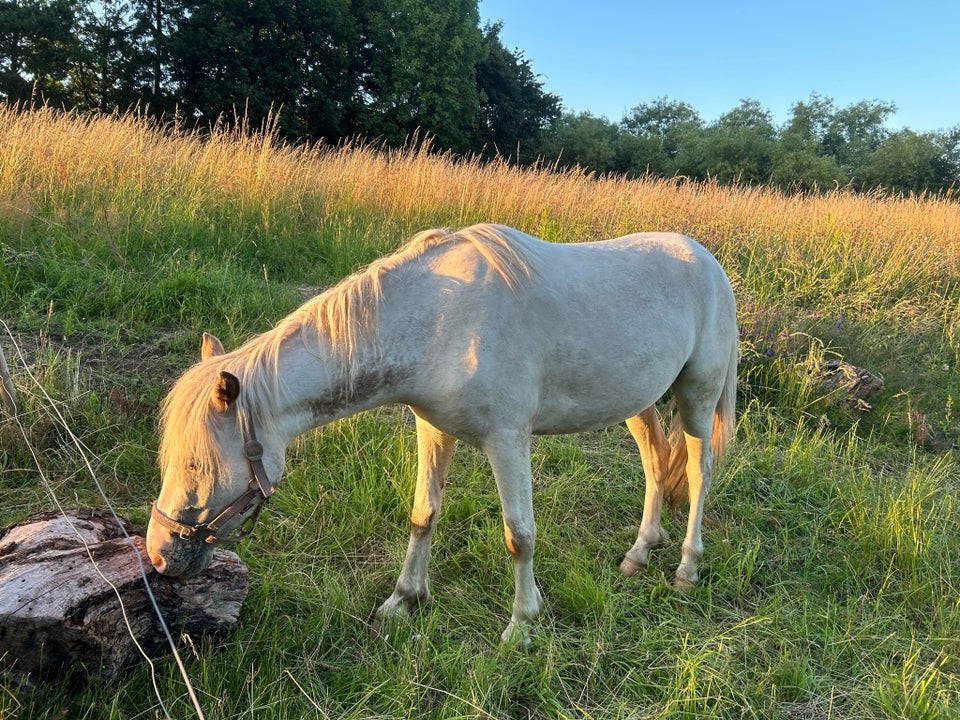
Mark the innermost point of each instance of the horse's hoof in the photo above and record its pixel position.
(686, 577)
(683, 585)
(382, 624)
(630, 567)
(394, 609)
(517, 634)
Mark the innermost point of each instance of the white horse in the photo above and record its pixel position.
(490, 336)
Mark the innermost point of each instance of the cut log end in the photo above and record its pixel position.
(60, 611)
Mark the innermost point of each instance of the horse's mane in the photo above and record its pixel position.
(345, 315)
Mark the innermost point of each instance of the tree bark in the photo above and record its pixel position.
(59, 614)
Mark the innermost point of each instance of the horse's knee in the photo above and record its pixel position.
(422, 520)
(520, 542)
(423, 527)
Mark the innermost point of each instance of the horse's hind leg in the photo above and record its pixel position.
(697, 402)
(699, 470)
(434, 453)
(655, 455)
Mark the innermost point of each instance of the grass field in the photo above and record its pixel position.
(831, 581)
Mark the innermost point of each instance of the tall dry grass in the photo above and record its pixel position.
(50, 153)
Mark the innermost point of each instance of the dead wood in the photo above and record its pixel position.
(854, 386)
(60, 577)
(8, 394)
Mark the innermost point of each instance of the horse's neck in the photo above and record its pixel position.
(319, 389)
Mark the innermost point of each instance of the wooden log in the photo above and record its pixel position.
(60, 577)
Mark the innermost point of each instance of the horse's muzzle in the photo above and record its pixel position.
(174, 556)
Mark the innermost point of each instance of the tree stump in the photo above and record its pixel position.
(59, 613)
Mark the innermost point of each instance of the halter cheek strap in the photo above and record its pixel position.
(247, 506)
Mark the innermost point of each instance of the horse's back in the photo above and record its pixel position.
(597, 331)
(633, 286)
(648, 259)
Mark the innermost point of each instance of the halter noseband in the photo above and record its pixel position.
(249, 504)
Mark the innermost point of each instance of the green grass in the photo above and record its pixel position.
(831, 581)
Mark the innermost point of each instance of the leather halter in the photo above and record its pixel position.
(247, 506)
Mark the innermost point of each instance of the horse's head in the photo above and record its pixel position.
(215, 472)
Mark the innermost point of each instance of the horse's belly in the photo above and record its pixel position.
(580, 392)
(559, 414)
(575, 423)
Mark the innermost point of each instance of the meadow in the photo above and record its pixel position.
(831, 577)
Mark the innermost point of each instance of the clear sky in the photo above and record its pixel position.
(607, 56)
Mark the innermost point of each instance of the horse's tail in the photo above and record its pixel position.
(724, 426)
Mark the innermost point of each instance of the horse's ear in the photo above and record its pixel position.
(210, 347)
(227, 390)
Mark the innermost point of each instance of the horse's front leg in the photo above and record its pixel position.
(434, 453)
(509, 456)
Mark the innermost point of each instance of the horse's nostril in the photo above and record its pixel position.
(159, 564)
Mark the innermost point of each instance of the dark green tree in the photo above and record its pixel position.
(949, 161)
(515, 112)
(800, 160)
(419, 60)
(237, 59)
(155, 22)
(797, 163)
(583, 140)
(37, 49)
(736, 148)
(910, 162)
(810, 120)
(853, 133)
(104, 74)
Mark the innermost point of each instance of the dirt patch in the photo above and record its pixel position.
(134, 373)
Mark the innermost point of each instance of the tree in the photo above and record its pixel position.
(419, 61)
(37, 46)
(515, 111)
(809, 121)
(232, 58)
(155, 22)
(797, 163)
(907, 161)
(949, 161)
(800, 160)
(103, 76)
(737, 148)
(854, 133)
(656, 133)
(583, 140)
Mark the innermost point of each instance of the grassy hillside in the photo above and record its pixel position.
(832, 574)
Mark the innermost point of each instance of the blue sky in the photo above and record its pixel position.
(607, 56)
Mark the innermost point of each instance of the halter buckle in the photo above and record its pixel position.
(253, 450)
